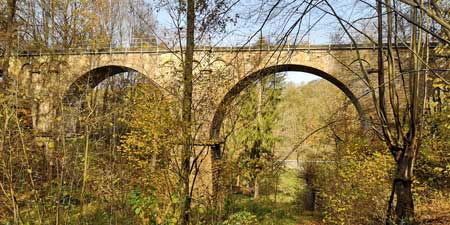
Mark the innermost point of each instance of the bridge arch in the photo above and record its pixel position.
(221, 110)
(81, 85)
(90, 79)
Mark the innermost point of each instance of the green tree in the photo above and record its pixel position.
(254, 140)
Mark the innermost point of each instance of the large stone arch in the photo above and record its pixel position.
(221, 110)
(90, 79)
(80, 86)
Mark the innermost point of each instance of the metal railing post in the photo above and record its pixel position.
(157, 46)
(17, 47)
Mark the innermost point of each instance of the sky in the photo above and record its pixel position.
(308, 31)
(299, 78)
(315, 27)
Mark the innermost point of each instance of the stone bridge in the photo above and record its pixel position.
(221, 73)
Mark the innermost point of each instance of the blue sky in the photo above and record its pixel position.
(315, 27)
(309, 30)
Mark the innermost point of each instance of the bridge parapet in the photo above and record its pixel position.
(150, 47)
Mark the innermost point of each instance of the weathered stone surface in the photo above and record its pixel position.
(220, 74)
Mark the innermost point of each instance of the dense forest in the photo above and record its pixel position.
(220, 143)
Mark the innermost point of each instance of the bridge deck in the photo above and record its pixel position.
(159, 50)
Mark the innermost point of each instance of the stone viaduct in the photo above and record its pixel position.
(221, 73)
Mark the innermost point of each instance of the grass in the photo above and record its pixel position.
(285, 210)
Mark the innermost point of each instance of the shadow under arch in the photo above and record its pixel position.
(221, 110)
(74, 95)
(81, 86)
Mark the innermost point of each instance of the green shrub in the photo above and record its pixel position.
(241, 218)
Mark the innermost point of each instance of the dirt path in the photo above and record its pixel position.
(309, 218)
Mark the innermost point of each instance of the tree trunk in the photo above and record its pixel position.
(404, 208)
(217, 194)
(10, 26)
(187, 114)
(256, 194)
(402, 189)
(258, 142)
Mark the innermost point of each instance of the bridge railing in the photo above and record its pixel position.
(135, 45)
(94, 46)
(147, 45)
(299, 164)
